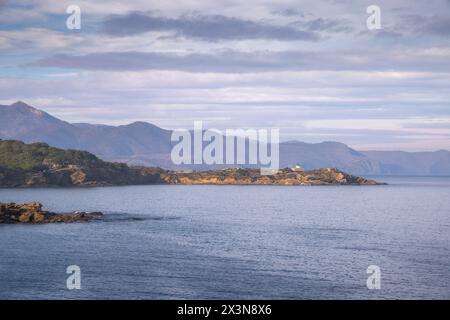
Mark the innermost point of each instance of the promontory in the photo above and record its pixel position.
(39, 165)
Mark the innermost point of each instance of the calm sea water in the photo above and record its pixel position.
(234, 242)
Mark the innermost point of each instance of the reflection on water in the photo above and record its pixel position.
(234, 242)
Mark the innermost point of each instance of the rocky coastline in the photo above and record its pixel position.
(286, 176)
(76, 176)
(39, 165)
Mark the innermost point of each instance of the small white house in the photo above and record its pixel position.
(298, 168)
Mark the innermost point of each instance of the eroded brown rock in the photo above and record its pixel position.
(33, 213)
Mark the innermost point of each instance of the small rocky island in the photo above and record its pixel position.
(32, 213)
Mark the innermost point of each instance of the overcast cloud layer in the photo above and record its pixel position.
(310, 68)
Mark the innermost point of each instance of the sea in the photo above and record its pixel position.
(234, 242)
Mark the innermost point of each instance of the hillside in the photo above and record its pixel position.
(38, 164)
(36, 156)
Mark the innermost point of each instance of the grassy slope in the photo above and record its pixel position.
(17, 155)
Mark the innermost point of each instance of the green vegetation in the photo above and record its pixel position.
(38, 156)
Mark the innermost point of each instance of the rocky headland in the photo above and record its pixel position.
(39, 165)
(287, 176)
(32, 213)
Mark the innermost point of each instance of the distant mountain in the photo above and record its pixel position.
(137, 142)
(412, 163)
(33, 125)
(146, 144)
(326, 154)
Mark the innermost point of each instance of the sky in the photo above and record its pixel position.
(310, 68)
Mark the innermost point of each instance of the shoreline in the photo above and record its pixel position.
(230, 176)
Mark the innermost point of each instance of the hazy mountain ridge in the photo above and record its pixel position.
(412, 163)
(146, 144)
(122, 143)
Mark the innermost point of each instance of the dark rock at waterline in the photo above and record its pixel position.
(32, 213)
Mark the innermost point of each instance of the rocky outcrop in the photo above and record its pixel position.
(32, 213)
(39, 165)
(327, 176)
(79, 176)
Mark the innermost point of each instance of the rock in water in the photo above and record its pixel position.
(33, 213)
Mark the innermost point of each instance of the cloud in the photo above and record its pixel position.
(288, 13)
(323, 24)
(377, 95)
(287, 100)
(236, 61)
(36, 39)
(436, 25)
(205, 27)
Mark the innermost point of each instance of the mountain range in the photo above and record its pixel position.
(142, 143)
